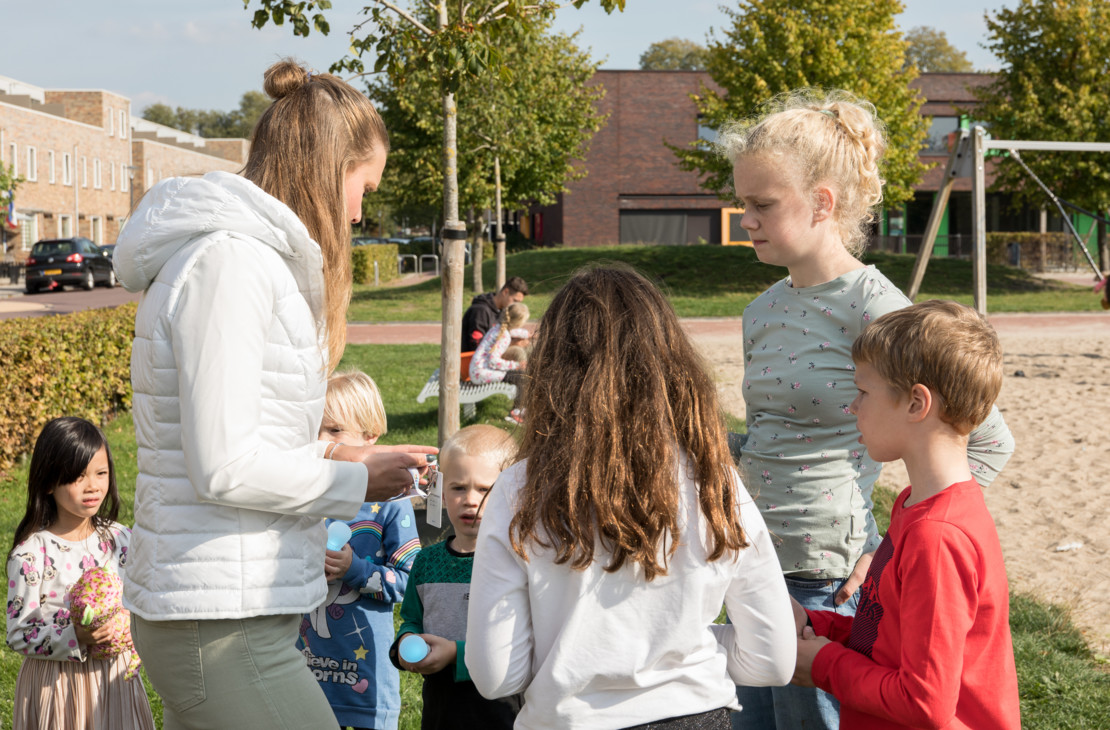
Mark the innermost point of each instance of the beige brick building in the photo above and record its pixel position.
(86, 160)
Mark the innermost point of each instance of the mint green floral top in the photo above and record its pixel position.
(803, 464)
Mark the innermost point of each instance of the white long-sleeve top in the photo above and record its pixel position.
(592, 649)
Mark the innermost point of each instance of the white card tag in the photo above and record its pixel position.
(434, 503)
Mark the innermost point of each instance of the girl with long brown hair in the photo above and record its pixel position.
(246, 281)
(606, 552)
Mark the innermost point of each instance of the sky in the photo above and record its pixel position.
(204, 54)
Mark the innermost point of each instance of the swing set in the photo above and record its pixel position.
(967, 159)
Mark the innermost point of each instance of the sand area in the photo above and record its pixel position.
(1052, 501)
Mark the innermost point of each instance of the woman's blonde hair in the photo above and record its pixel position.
(317, 128)
(353, 400)
(617, 394)
(830, 138)
(515, 315)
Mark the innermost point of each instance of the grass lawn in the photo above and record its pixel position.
(715, 281)
(1062, 684)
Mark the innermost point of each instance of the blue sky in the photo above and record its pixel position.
(204, 54)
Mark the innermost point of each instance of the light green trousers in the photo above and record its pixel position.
(240, 674)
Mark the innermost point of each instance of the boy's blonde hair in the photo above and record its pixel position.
(514, 353)
(515, 315)
(488, 442)
(826, 138)
(353, 400)
(945, 346)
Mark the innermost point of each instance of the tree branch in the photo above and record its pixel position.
(490, 13)
(407, 16)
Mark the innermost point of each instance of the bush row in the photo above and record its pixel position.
(69, 365)
(363, 258)
(1037, 251)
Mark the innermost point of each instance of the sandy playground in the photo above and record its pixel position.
(1052, 501)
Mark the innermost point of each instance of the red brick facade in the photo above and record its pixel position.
(79, 155)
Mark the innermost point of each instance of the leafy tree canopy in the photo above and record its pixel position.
(1054, 84)
(212, 123)
(674, 54)
(774, 46)
(929, 50)
(537, 125)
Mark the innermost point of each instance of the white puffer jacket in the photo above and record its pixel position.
(229, 380)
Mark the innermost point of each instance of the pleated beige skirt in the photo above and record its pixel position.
(91, 695)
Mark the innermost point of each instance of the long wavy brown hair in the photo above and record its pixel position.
(301, 149)
(616, 393)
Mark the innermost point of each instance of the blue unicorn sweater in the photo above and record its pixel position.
(346, 639)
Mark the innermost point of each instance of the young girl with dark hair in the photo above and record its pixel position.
(69, 527)
(606, 552)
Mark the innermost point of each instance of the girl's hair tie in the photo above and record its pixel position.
(829, 112)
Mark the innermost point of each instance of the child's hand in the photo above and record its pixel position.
(808, 646)
(441, 652)
(855, 580)
(84, 633)
(90, 636)
(337, 562)
(801, 620)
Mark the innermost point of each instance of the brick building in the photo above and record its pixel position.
(634, 190)
(80, 153)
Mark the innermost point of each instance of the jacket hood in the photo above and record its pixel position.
(177, 210)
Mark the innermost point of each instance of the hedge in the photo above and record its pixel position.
(67, 365)
(1038, 251)
(363, 258)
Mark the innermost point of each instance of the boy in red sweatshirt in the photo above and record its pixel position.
(929, 645)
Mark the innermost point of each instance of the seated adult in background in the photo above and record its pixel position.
(485, 311)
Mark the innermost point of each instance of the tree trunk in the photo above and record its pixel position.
(498, 235)
(476, 252)
(454, 253)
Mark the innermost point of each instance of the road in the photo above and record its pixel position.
(62, 302)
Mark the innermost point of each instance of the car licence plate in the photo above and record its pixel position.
(51, 272)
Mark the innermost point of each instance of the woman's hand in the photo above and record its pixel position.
(387, 467)
(855, 580)
(89, 636)
(441, 652)
(337, 562)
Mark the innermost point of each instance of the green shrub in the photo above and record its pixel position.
(363, 258)
(1038, 251)
(69, 365)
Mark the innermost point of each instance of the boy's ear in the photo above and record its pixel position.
(920, 403)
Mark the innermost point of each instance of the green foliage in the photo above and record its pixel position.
(774, 46)
(674, 54)
(929, 50)
(75, 364)
(362, 263)
(719, 281)
(538, 125)
(9, 182)
(1054, 84)
(213, 124)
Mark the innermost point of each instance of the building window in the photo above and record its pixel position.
(124, 178)
(123, 124)
(32, 164)
(707, 136)
(111, 122)
(84, 171)
(936, 142)
(50, 163)
(149, 176)
(111, 176)
(96, 173)
(67, 169)
(65, 226)
(96, 229)
(15, 160)
(29, 232)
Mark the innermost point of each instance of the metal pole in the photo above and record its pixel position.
(979, 221)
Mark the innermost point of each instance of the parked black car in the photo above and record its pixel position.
(68, 262)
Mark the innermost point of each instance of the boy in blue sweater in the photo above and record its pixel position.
(346, 639)
(438, 592)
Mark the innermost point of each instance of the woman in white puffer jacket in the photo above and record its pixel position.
(246, 282)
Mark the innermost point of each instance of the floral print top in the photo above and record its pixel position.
(487, 365)
(41, 571)
(803, 463)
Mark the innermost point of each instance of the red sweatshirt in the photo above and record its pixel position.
(929, 646)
